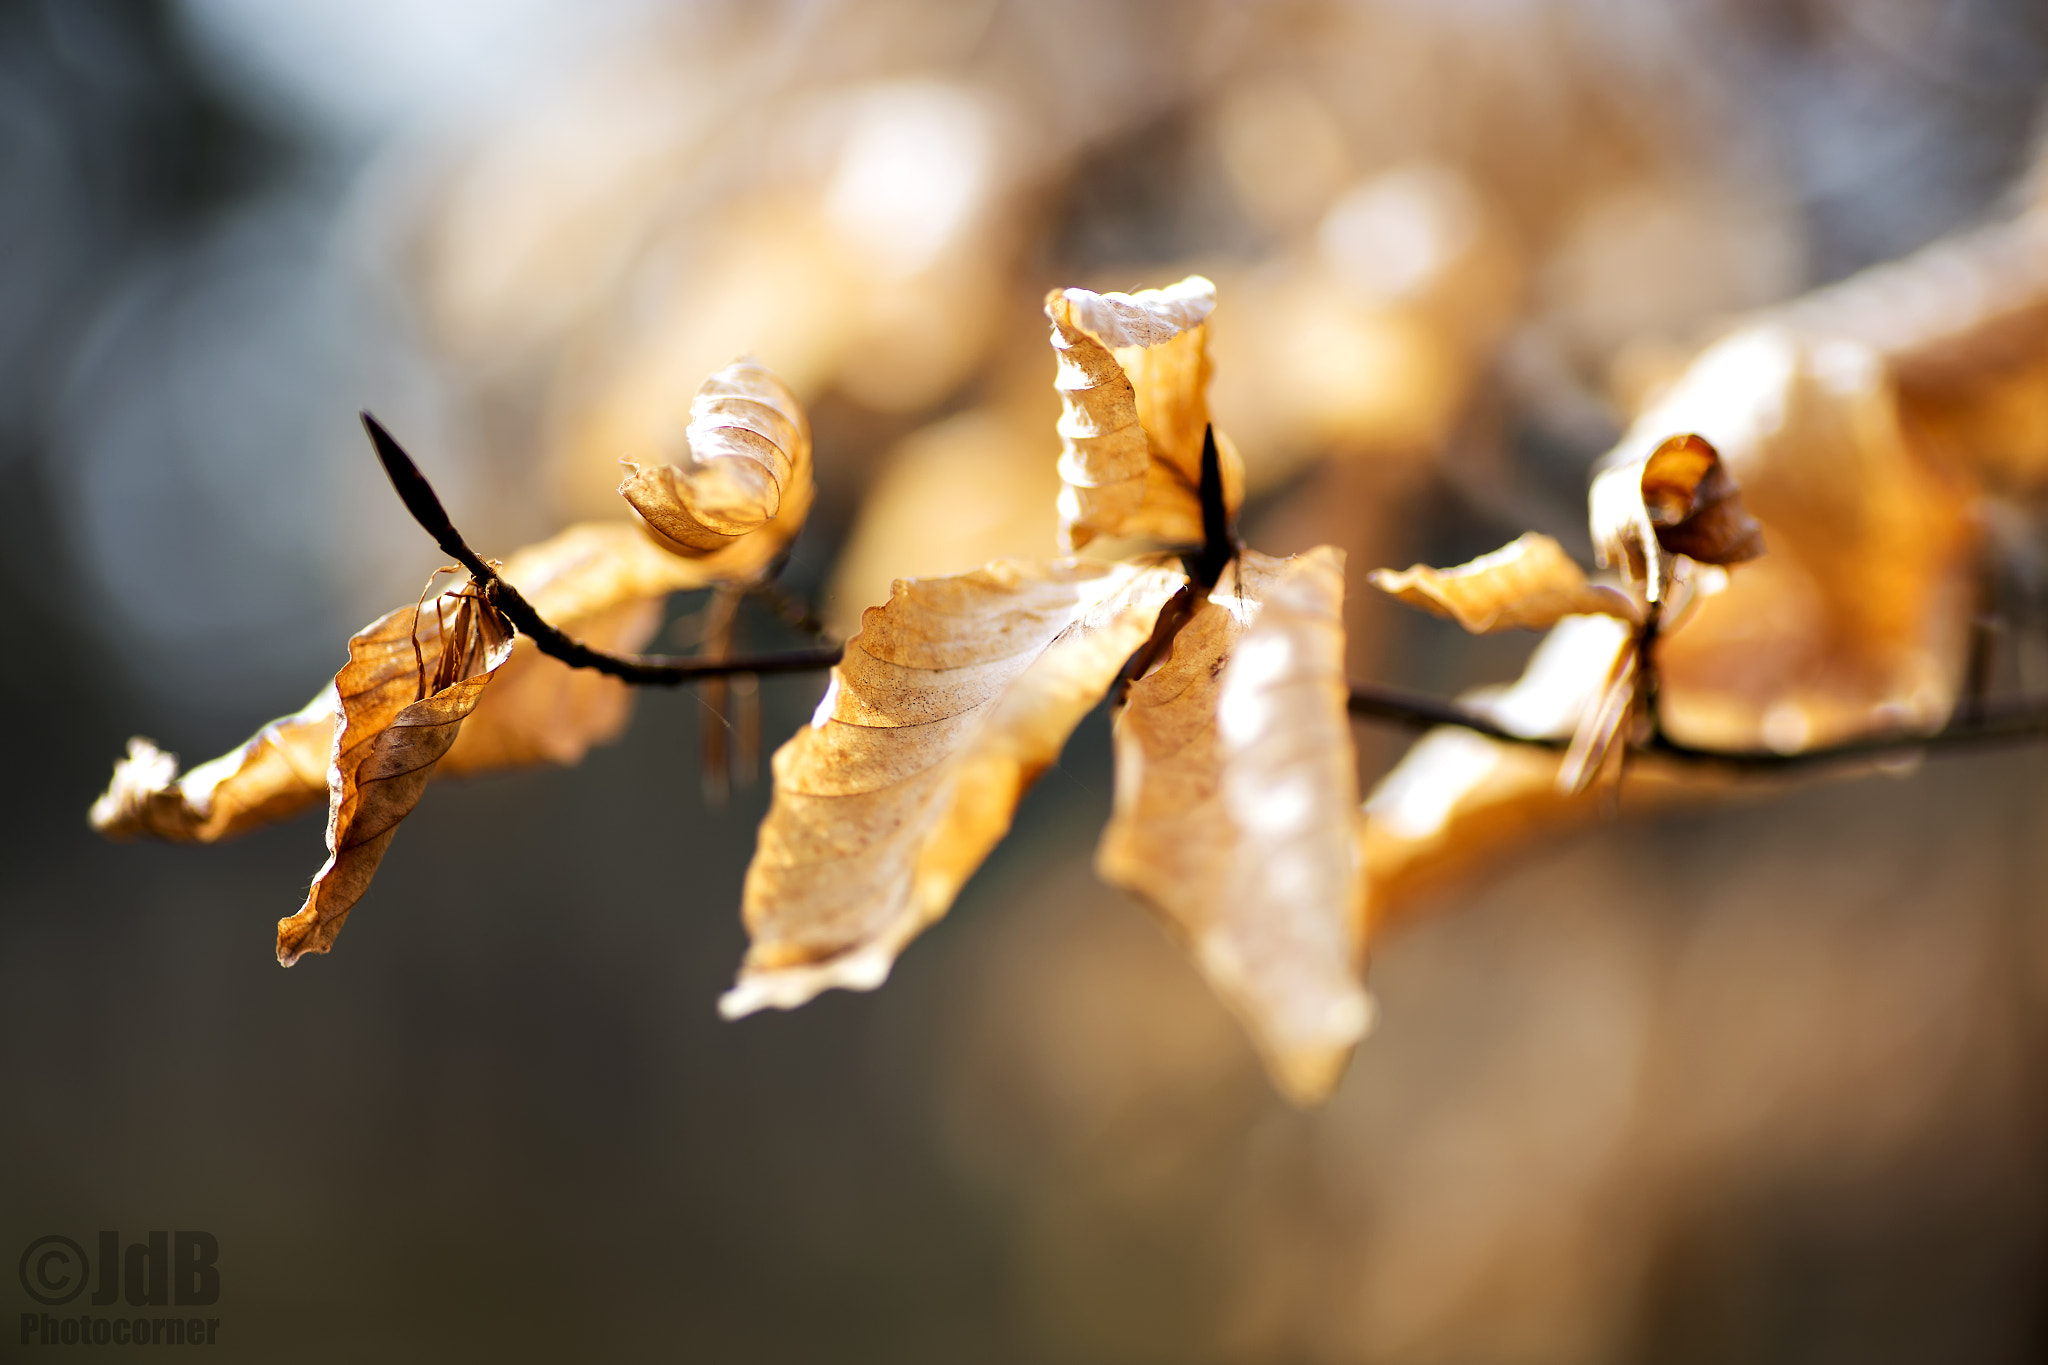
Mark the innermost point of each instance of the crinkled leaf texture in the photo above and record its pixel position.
(411, 679)
(1236, 810)
(1528, 584)
(948, 704)
(1133, 381)
(602, 582)
(747, 475)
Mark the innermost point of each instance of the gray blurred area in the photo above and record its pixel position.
(1760, 1082)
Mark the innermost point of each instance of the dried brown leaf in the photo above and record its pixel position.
(279, 772)
(1855, 620)
(1676, 499)
(748, 471)
(1134, 384)
(1458, 798)
(411, 680)
(1528, 584)
(1695, 506)
(969, 489)
(949, 703)
(602, 582)
(1235, 801)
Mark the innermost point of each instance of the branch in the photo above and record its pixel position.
(1985, 723)
(2019, 721)
(645, 670)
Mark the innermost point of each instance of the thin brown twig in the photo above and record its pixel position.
(644, 670)
(2009, 721)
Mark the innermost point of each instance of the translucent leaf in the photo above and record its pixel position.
(1134, 383)
(411, 680)
(1528, 584)
(1236, 795)
(1458, 798)
(949, 703)
(279, 772)
(1856, 618)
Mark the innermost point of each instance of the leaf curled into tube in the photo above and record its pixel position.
(1235, 810)
(1528, 584)
(747, 471)
(400, 711)
(1133, 380)
(948, 704)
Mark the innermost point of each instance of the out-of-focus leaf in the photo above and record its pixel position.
(1458, 798)
(1962, 329)
(1856, 618)
(279, 772)
(1528, 584)
(1678, 499)
(1134, 381)
(1366, 341)
(973, 488)
(949, 703)
(748, 471)
(1236, 794)
(411, 680)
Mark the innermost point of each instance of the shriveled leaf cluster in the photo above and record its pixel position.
(1855, 435)
(1789, 529)
(445, 686)
(1236, 786)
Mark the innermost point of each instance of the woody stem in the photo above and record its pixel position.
(1987, 723)
(642, 670)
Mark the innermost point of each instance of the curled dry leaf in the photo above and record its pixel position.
(948, 704)
(1528, 584)
(602, 582)
(412, 678)
(1133, 381)
(1678, 499)
(748, 472)
(1855, 620)
(1236, 794)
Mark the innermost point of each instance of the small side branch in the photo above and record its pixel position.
(643, 670)
(2012, 722)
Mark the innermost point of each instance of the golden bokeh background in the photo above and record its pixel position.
(1757, 1081)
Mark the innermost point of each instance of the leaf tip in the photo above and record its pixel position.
(787, 988)
(146, 772)
(1307, 1073)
